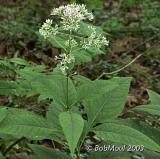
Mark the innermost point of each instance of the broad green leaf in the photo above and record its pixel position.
(19, 61)
(8, 87)
(46, 153)
(144, 128)
(29, 73)
(21, 123)
(81, 56)
(84, 56)
(53, 113)
(92, 89)
(59, 41)
(81, 79)
(72, 125)
(109, 155)
(52, 86)
(7, 138)
(154, 97)
(31, 70)
(3, 114)
(108, 105)
(38, 68)
(93, 51)
(125, 134)
(152, 109)
(56, 88)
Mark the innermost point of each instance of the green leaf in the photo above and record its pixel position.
(53, 113)
(154, 97)
(56, 89)
(92, 89)
(19, 61)
(46, 153)
(8, 87)
(101, 107)
(84, 56)
(21, 123)
(3, 114)
(152, 109)
(142, 127)
(58, 41)
(81, 79)
(72, 125)
(109, 155)
(93, 51)
(125, 134)
(81, 56)
(29, 73)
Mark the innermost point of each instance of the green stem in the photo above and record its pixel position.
(67, 92)
(84, 136)
(68, 73)
(78, 154)
(82, 140)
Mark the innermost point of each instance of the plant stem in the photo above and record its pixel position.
(78, 154)
(12, 145)
(67, 92)
(68, 72)
(116, 71)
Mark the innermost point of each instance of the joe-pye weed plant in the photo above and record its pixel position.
(80, 108)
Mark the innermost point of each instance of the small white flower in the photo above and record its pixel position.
(71, 15)
(101, 41)
(65, 59)
(47, 29)
(94, 39)
(88, 42)
(72, 43)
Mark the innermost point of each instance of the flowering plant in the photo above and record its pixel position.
(81, 116)
(77, 37)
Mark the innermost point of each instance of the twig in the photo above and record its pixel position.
(116, 71)
(110, 73)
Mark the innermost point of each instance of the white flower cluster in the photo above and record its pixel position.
(65, 60)
(94, 40)
(71, 43)
(71, 15)
(47, 29)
